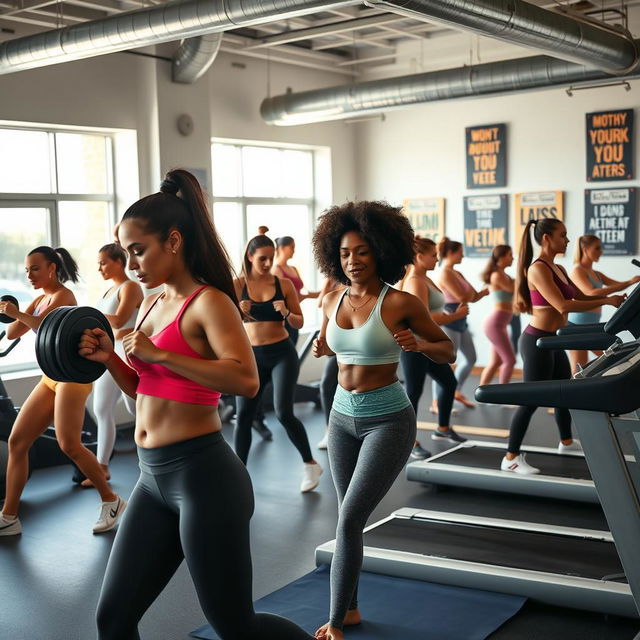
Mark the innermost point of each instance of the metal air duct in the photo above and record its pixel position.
(194, 57)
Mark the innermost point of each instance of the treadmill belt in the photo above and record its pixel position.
(488, 458)
(500, 547)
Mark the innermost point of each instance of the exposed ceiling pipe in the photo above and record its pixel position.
(194, 57)
(347, 101)
(570, 37)
(149, 26)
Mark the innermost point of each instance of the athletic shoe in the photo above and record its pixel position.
(518, 465)
(418, 453)
(262, 429)
(9, 526)
(311, 478)
(574, 446)
(110, 513)
(324, 443)
(449, 435)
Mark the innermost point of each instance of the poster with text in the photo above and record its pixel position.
(426, 216)
(485, 224)
(486, 151)
(609, 149)
(534, 205)
(610, 214)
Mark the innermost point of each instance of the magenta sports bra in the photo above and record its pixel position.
(567, 290)
(448, 297)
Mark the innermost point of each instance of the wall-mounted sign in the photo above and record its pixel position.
(535, 205)
(609, 148)
(486, 151)
(485, 224)
(610, 214)
(426, 216)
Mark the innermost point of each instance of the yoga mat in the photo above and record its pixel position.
(392, 608)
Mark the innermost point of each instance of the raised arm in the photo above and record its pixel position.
(25, 320)
(611, 285)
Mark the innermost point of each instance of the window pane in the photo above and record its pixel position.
(225, 160)
(227, 217)
(297, 174)
(82, 163)
(24, 161)
(21, 230)
(84, 228)
(262, 172)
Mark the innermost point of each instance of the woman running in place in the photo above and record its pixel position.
(194, 498)
(457, 291)
(59, 403)
(266, 301)
(501, 286)
(415, 366)
(372, 427)
(544, 290)
(591, 283)
(120, 304)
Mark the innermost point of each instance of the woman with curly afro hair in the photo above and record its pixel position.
(372, 426)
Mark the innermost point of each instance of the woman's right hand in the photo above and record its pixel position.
(320, 348)
(616, 301)
(96, 345)
(245, 306)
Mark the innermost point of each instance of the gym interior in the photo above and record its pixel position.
(473, 117)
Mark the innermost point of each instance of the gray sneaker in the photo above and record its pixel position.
(9, 526)
(110, 513)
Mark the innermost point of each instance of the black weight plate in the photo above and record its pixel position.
(44, 345)
(7, 298)
(49, 342)
(75, 367)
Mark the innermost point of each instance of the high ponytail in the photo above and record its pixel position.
(257, 242)
(447, 246)
(499, 251)
(66, 266)
(584, 242)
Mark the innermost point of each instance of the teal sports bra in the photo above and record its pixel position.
(370, 343)
(502, 296)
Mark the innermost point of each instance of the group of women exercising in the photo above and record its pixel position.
(206, 334)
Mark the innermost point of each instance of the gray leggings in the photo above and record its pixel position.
(366, 455)
(463, 344)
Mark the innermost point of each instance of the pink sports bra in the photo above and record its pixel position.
(159, 381)
(448, 297)
(567, 290)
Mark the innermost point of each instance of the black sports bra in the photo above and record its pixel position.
(263, 311)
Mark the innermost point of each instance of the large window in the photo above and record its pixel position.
(56, 188)
(264, 185)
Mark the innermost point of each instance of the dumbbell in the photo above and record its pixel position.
(57, 344)
(7, 298)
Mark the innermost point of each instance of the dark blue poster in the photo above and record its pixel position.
(486, 150)
(609, 145)
(485, 224)
(610, 214)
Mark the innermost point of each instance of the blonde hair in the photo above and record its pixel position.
(584, 242)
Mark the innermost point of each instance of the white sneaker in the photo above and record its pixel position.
(518, 465)
(110, 513)
(574, 446)
(325, 440)
(311, 478)
(9, 526)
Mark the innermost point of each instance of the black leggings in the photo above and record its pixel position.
(193, 500)
(539, 364)
(416, 367)
(279, 363)
(328, 385)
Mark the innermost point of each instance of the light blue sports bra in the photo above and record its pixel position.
(500, 295)
(370, 343)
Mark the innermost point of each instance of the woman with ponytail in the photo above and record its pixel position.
(194, 498)
(591, 283)
(266, 301)
(501, 287)
(457, 291)
(60, 403)
(545, 291)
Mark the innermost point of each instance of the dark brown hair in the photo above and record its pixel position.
(584, 242)
(66, 266)
(447, 246)
(115, 252)
(257, 242)
(499, 251)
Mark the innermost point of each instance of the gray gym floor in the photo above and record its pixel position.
(50, 576)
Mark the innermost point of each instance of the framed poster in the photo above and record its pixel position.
(426, 216)
(609, 145)
(486, 153)
(534, 205)
(485, 224)
(610, 214)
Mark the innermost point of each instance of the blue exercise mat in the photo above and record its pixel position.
(392, 608)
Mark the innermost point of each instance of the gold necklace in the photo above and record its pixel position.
(362, 305)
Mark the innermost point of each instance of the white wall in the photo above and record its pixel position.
(420, 151)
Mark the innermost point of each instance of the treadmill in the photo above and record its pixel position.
(565, 566)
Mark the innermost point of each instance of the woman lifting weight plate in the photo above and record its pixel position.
(194, 498)
(60, 403)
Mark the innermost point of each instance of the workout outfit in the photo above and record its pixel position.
(495, 328)
(371, 435)
(298, 285)
(107, 392)
(279, 363)
(587, 317)
(193, 500)
(541, 364)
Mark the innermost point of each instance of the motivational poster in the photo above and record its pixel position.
(485, 224)
(609, 148)
(534, 205)
(610, 214)
(486, 153)
(426, 216)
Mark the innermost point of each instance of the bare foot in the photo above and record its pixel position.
(353, 617)
(327, 632)
(462, 399)
(87, 483)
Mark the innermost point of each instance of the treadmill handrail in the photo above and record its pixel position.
(587, 341)
(572, 329)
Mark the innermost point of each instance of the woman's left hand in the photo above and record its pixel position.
(9, 309)
(407, 340)
(280, 307)
(138, 344)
